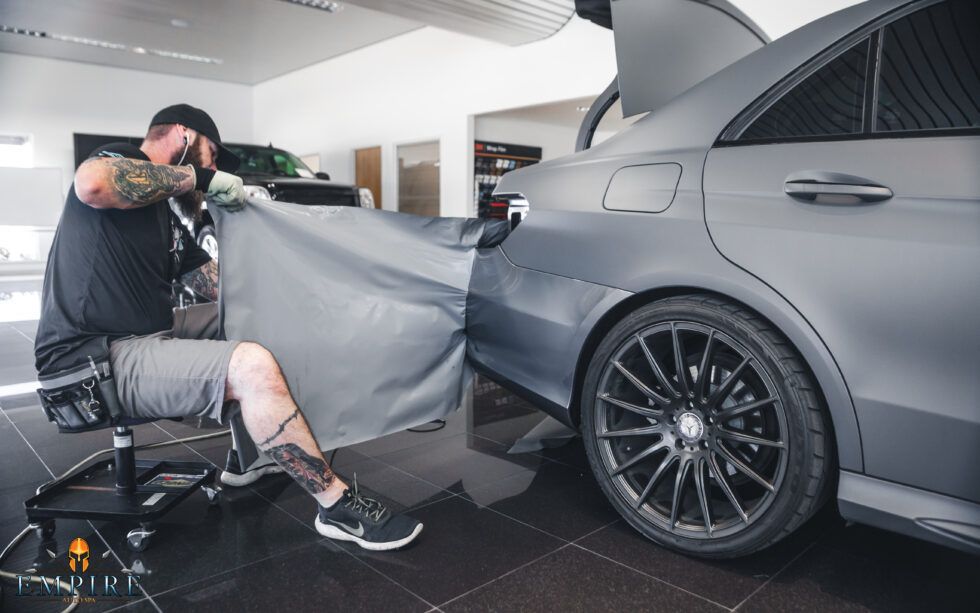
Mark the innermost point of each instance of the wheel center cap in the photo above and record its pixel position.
(690, 427)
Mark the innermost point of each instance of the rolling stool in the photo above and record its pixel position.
(121, 489)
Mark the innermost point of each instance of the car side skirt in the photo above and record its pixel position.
(948, 521)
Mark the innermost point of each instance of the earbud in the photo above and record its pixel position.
(185, 138)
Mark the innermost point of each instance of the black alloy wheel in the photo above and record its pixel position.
(703, 427)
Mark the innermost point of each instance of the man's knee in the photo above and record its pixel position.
(253, 369)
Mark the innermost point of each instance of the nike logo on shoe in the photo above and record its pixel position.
(358, 531)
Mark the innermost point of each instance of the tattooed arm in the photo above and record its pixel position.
(204, 280)
(123, 183)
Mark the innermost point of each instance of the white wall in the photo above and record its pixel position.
(425, 85)
(52, 99)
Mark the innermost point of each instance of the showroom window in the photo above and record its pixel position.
(829, 102)
(929, 76)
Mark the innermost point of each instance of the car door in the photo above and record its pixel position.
(853, 190)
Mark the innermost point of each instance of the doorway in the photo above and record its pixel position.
(367, 171)
(418, 179)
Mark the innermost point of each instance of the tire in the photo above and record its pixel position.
(765, 431)
(208, 240)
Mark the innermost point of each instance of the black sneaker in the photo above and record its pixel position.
(366, 522)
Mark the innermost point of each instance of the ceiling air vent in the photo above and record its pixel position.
(512, 22)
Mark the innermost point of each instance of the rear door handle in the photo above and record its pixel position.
(834, 188)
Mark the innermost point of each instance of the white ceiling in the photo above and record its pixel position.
(254, 39)
(512, 22)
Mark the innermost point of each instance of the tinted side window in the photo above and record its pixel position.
(828, 102)
(929, 76)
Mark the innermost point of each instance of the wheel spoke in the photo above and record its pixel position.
(653, 429)
(726, 386)
(680, 365)
(741, 437)
(656, 368)
(735, 411)
(701, 486)
(640, 385)
(652, 449)
(657, 476)
(633, 408)
(725, 487)
(743, 468)
(679, 480)
(705, 368)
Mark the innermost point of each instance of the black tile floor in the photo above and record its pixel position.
(503, 532)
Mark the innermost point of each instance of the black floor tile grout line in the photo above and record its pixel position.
(452, 495)
(599, 529)
(269, 557)
(380, 457)
(510, 572)
(122, 565)
(564, 542)
(523, 523)
(344, 551)
(665, 582)
(50, 472)
(36, 454)
(777, 573)
(536, 454)
(307, 526)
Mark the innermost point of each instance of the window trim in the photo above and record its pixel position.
(873, 31)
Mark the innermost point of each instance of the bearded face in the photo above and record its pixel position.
(190, 203)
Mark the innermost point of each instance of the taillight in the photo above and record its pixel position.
(512, 207)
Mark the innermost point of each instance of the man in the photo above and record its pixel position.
(107, 293)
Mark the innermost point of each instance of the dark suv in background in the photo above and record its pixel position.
(277, 174)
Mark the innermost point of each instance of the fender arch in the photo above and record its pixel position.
(774, 308)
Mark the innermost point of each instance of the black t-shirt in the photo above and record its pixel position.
(109, 275)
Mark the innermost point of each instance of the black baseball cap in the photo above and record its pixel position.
(201, 122)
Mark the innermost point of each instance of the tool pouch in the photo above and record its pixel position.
(81, 399)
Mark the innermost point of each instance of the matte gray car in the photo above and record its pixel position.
(767, 291)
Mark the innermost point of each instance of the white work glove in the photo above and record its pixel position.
(222, 188)
(227, 190)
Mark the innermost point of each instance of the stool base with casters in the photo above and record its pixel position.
(122, 489)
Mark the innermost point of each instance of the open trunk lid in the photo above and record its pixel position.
(663, 47)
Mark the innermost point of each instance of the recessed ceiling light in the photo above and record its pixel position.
(176, 55)
(104, 44)
(583, 109)
(179, 23)
(81, 40)
(323, 5)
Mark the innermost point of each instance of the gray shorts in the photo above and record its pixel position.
(174, 373)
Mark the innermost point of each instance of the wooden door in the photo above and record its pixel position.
(367, 169)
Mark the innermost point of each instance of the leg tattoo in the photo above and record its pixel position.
(310, 472)
(280, 429)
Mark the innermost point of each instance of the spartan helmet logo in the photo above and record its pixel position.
(78, 554)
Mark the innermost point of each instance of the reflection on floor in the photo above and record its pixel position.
(504, 532)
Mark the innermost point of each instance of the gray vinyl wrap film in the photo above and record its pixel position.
(530, 326)
(364, 310)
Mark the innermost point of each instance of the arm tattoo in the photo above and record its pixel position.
(141, 182)
(310, 472)
(280, 429)
(204, 280)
